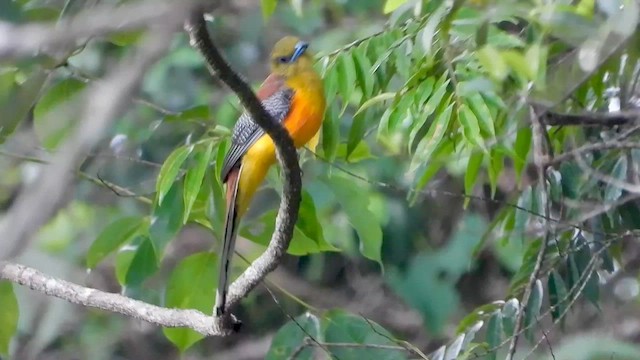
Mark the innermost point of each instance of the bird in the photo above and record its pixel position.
(293, 94)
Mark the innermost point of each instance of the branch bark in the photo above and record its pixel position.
(38, 281)
(287, 156)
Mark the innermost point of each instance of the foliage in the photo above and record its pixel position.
(442, 92)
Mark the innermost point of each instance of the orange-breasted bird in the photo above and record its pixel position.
(292, 94)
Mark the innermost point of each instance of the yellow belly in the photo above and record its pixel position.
(302, 123)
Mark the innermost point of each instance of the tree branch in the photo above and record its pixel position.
(38, 281)
(287, 156)
(540, 159)
(17, 41)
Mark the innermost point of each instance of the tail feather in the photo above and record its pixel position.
(228, 245)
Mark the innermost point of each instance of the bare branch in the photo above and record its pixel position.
(105, 101)
(77, 294)
(34, 39)
(287, 156)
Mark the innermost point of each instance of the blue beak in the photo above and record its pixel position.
(300, 48)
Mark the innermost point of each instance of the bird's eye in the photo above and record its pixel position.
(283, 60)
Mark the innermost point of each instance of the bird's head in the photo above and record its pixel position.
(290, 57)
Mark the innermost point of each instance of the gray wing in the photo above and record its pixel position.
(246, 132)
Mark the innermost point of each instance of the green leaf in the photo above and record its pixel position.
(346, 79)
(435, 101)
(519, 64)
(112, 237)
(170, 169)
(494, 333)
(471, 175)
(557, 295)
(54, 113)
(532, 309)
(196, 113)
(555, 184)
(470, 126)
(125, 38)
(17, 100)
(612, 192)
(342, 327)
(433, 138)
(193, 179)
(331, 132)
(122, 263)
(166, 219)
(522, 146)
(308, 222)
(191, 285)
(477, 104)
(363, 66)
(355, 202)
(571, 179)
(144, 263)
(268, 8)
(491, 60)
(509, 313)
(583, 257)
(9, 314)
(361, 152)
(357, 132)
(292, 335)
(496, 164)
(375, 100)
(391, 5)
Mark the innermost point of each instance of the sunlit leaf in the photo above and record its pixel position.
(391, 5)
(491, 60)
(470, 126)
(268, 8)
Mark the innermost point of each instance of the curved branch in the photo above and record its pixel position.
(49, 285)
(287, 156)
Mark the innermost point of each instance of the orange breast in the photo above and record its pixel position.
(307, 111)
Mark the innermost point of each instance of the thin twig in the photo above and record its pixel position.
(540, 157)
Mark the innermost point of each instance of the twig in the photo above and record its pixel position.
(105, 101)
(287, 156)
(540, 157)
(117, 189)
(117, 303)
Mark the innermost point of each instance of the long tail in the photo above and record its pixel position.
(229, 244)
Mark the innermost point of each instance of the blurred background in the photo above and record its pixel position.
(425, 266)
